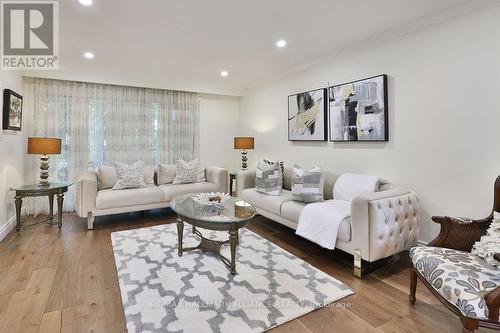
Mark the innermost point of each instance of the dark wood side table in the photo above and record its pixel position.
(232, 178)
(34, 190)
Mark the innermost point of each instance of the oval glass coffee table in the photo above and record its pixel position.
(234, 215)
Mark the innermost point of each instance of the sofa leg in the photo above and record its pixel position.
(413, 285)
(357, 263)
(90, 221)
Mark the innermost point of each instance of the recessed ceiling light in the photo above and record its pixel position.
(88, 55)
(85, 2)
(281, 43)
(224, 73)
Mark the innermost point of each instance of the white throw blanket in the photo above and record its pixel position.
(350, 185)
(319, 222)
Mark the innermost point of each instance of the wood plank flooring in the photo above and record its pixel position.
(65, 281)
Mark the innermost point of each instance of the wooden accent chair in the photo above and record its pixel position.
(463, 282)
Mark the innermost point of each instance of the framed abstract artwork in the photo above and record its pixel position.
(307, 116)
(358, 110)
(12, 110)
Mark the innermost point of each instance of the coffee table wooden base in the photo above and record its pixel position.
(210, 244)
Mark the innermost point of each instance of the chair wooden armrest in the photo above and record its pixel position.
(459, 233)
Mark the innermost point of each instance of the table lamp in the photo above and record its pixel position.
(44, 146)
(243, 143)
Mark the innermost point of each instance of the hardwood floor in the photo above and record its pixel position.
(65, 281)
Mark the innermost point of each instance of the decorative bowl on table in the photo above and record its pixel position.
(212, 202)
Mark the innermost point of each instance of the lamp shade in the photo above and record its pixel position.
(243, 142)
(44, 146)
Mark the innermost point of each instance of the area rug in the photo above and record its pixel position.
(162, 292)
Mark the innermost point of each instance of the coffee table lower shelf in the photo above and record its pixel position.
(211, 245)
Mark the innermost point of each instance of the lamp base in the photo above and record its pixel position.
(44, 171)
(244, 160)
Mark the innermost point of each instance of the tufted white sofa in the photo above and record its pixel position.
(382, 224)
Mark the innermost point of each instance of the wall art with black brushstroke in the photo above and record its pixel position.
(307, 116)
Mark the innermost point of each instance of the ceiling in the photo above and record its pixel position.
(184, 44)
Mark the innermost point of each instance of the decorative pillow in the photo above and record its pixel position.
(149, 175)
(307, 186)
(282, 170)
(489, 244)
(187, 172)
(107, 176)
(201, 175)
(268, 177)
(129, 176)
(166, 173)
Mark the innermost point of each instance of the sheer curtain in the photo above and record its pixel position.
(100, 124)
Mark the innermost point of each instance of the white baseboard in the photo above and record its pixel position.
(7, 228)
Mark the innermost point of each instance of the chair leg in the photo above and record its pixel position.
(468, 324)
(413, 285)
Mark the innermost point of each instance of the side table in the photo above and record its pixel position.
(35, 190)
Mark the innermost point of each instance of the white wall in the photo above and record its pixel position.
(218, 126)
(12, 149)
(444, 104)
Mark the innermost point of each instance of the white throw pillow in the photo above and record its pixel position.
(166, 173)
(268, 178)
(129, 176)
(187, 172)
(106, 176)
(489, 244)
(307, 185)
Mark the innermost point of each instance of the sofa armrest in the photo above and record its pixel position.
(86, 194)
(217, 176)
(244, 179)
(384, 223)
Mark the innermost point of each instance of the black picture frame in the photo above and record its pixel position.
(12, 110)
(315, 136)
(335, 130)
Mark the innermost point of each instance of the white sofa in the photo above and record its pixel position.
(91, 202)
(382, 223)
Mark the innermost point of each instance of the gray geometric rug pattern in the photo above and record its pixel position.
(162, 292)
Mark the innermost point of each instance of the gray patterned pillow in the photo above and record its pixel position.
(268, 177)
(187, 172)
(129, 176)
(307, 186)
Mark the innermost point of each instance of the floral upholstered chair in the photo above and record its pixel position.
(465, 283)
